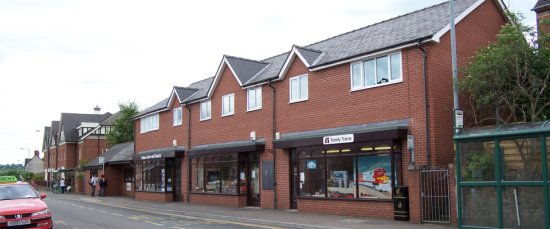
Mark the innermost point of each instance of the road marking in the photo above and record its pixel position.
(102, 211)
(179, 227)
(158, 224)
(93, 209)
(116, 214)
(60, 222)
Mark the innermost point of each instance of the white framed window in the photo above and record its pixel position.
(206, 110)
(228, 105)
(254, 99)
(298, 88)
(377, 71)
(149, 123)
(177, 116)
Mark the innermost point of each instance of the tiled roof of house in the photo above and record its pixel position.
(45, 140)
(541, 4)
(54, 129)
(111, 120)
(405, 29)
(184, 92)
(158, 106)
(122, 152)
(202, 87)
(71, 120)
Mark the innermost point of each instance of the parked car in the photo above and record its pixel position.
(21, 206)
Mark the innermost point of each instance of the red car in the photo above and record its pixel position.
(21, 206)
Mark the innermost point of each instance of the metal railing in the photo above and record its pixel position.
(435, 196)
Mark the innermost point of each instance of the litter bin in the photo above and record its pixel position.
(401, 204)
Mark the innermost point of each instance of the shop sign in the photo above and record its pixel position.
(338, 139)
(152, 156)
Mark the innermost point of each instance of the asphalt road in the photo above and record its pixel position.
(86, 213)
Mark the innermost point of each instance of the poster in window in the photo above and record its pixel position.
(375, 176)
(311, 164)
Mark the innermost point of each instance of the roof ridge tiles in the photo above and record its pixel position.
(246, 59)
(377, 23)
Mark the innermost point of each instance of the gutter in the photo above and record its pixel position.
(273, 131)
(426, 104)
(188, 147)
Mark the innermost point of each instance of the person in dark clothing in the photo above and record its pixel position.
(102, 185)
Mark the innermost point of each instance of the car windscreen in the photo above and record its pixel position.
(10, 192)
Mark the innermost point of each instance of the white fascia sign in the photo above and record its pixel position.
(338, 139)
(152, 156)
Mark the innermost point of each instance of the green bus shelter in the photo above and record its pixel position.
(503, 176)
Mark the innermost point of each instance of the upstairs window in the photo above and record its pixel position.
(149, 123)
(377, 71)
(254, 99)
(298, 88)
(206, 110)
(177, 116)
(228, 104)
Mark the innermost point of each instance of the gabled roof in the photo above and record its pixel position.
(183, 93)
(202, 92)
(153, 109)
(69, 122)
(243, 69)
(111, 120)
(46, 138)
(117, 154)
(54, 130)
(541, 4)
(425, 25)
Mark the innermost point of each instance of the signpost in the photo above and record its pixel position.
(102, 162)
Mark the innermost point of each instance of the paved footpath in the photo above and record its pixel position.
(268, 217)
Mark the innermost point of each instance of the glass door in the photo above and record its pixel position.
(253, 196)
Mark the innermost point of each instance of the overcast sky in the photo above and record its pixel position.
(69, 56)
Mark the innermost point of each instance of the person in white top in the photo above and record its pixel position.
(93, 184)
(62, 185)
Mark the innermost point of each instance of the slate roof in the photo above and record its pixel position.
(55, 129)
(71, 120)
(111, 120)
(202, 87)
(46, 139)
(541, 4)
(158, 106)
(184, 92)
(119, 153)
(309, 55)
(245, 69)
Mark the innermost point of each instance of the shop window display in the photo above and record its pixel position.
(351, 172)
(154, 175)
(215, 174)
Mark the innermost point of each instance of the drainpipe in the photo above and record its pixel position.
(188, 147)
(273, 131)
(426, 104)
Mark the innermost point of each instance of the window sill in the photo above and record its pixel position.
(254, 109)
(218, 193)
(344, 199)
(206, 119)
(226, 115)
(154, 191)
(298, 101)
(375, 86)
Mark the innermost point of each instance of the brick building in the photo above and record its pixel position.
(71, 143)
(322, 128)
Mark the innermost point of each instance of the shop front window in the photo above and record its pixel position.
(348, 172)
(154, 175)
(215, 174)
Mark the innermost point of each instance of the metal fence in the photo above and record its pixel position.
(435, 196)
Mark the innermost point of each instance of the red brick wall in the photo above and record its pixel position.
(221, 200)
(473, 32)
(67, 155)
(378, 209)
(162, 137)
(154, 196)
(89, 149)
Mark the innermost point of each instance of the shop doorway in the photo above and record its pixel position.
(253, 196)
(293, 180)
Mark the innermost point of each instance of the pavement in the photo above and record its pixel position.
(268, 217)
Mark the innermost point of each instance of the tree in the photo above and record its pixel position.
(508, 81)
(123, 127)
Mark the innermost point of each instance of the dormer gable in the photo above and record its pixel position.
(243, 69)
(308, 56)
(181, 94)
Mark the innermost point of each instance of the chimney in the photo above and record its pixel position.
(542, 8)
(37, 153)
(97, 109)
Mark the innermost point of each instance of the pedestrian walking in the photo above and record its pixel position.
(102, 185)
(93, 184)
(62, 185)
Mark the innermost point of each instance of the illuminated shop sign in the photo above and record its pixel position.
(152, 156)
(338, 139)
